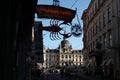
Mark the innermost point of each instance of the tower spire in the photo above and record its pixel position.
(64, 38)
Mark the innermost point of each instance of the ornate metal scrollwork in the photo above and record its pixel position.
(56, 2)
(55, 25)
(76, 30)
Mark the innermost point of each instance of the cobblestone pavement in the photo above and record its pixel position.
(55, 76)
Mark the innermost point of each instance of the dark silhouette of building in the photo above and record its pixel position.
(16, 23)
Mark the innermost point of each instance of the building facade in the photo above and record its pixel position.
(101, 21)
(38, 41)
(62, 56)
(37, 45)
(16, 38)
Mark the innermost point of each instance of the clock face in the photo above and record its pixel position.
(76, 30)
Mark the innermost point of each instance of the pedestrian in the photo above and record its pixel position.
(38, 72)
(62, 72)
(41, 76)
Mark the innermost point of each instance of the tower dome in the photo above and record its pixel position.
(65, 43)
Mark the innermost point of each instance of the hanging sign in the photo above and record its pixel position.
(55, 12)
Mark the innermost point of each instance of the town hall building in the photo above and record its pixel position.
(64, 55)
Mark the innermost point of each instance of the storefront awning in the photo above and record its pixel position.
(88, 65)
(108, 62)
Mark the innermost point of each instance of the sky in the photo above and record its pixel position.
(76, 42)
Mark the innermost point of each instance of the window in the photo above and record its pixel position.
(103, 19)
(98, 3)
(93, 30)
(76, 59)
(80, 58)
(96, 28)
(69, 56)
(50, 56)
(93, 12)
(93, 46)
(76, 56)
(66, 56)
(101, 1)
(110, 38)
(109, 14)
(100, 24)
(96, 41)
(62, 56)
(100, 39)
(62, 64)
(104, 41)
(49, 59)
(95, 7)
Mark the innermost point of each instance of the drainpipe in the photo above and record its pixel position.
(118, 25)
(116, 47)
